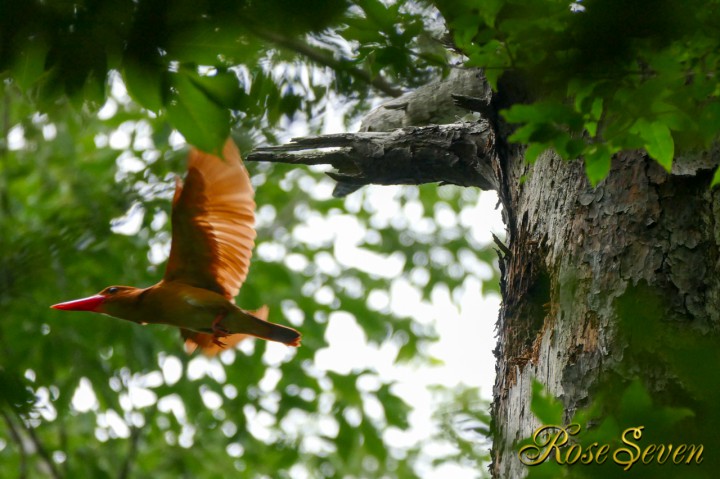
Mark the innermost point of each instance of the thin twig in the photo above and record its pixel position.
(4, 131)
(135, 435)
(64, 444)
(42, 451)
(39, 447)
(21, 445)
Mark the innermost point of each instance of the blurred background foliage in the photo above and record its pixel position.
(92, 93)
(209, 64)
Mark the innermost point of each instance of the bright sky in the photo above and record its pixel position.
(465, 327)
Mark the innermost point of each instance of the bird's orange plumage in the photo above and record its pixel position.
(212, 240)
(213, 223)
(213, 232)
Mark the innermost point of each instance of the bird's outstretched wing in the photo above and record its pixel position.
(213, 219)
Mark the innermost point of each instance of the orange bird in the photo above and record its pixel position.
(212, 239)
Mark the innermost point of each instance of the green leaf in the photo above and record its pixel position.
(201, 121)
(716, 178)
(574, 147)
(377, 13)
(533, 151)
(597, 163)
(545, 407)
(223, 88)
(372, 441)
(15, 392)
(544, 112)
(30, 64)
(658, 141)
(396, 410)
(635, 399)
(145, 83)
(205, 43)
(490, 10)
(591, 127)
(347, 439)
(547, 470)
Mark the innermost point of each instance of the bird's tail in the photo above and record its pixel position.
(255, 323)
(241, 325)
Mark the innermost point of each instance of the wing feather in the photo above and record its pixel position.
(213, 221)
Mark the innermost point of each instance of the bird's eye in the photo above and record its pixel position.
(112, 290)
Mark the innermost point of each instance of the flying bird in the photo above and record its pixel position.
(213, 234)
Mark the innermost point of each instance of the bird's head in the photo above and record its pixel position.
(112, 300)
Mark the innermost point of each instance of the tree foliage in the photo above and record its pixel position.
(91, 94)
(599, 76)
(208, 65)
(259, 412)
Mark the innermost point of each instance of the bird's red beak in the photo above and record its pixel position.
(90, 303)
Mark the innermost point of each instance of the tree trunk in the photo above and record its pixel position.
(578, 256)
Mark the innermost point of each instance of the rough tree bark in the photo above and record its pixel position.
(455, 154)
(575, 254)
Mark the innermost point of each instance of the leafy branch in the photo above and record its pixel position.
(325, 58)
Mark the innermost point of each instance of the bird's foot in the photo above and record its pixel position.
(218, 331)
